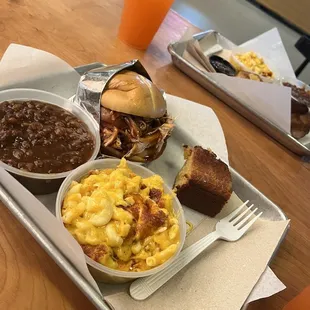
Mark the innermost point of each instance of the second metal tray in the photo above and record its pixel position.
(176, 50)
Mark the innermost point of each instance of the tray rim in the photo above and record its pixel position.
(300, 149)
(60, 259)
(51, 249)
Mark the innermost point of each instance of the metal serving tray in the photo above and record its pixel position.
(242, 188)
(176, 50)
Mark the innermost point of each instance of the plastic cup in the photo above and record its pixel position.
(141, 20)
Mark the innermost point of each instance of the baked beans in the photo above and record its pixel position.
(43, 138)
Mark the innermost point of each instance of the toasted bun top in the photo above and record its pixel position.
(131, 93)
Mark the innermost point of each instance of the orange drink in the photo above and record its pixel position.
(141, 20)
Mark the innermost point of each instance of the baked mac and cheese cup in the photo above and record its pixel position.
(127, 220)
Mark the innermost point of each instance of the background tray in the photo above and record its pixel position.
(176, 50)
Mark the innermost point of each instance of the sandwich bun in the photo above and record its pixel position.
(131, 93)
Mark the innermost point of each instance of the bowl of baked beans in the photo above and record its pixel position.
(43, 137)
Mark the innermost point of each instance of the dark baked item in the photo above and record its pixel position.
(204, 183)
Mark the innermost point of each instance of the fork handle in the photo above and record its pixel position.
(144, 287)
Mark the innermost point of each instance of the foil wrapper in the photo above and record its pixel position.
(93, 83)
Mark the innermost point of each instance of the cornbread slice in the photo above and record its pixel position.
(204, 182)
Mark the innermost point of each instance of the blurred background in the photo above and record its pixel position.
(241, 20)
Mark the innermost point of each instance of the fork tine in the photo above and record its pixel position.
(248, 225)
(239, 225)
(234, 213)
(239, 217)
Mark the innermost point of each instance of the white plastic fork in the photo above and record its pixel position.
(230, 228)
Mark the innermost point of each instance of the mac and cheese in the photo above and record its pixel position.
(121, 220)
(255, 63)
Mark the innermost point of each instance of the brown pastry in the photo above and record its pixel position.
(204, 183)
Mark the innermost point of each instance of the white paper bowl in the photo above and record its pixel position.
(100, 272)
(44, 183)
(240, 66)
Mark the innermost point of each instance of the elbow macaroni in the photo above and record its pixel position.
(256, 64)
(103, 209)
(162, 256)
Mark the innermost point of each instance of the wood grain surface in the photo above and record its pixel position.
(85, 31)
(295, 12)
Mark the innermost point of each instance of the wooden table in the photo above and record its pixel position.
(81, 32)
